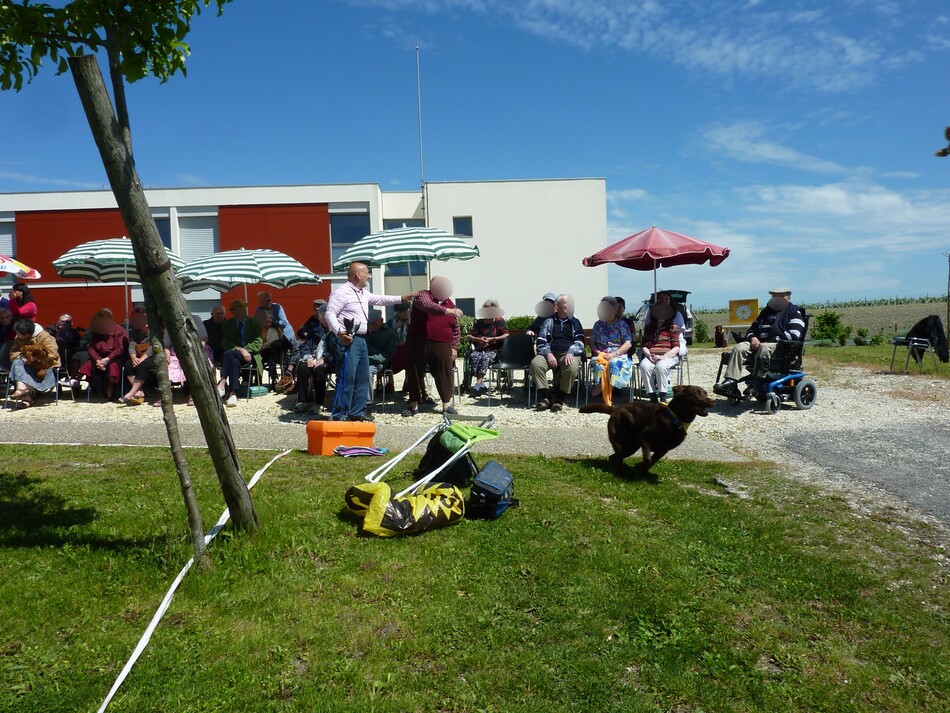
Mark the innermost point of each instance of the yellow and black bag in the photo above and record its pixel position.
(436, 505)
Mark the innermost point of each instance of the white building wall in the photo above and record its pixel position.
(532, 236)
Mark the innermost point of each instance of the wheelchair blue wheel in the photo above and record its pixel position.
(806, 392)
(773, 403)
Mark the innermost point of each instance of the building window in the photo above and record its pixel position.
(405, 269)
(198, 236)
(346, 229)
(7, 245)
(466, 304)
(462, 225)
(390, 223)
(7, 237)
(164, 226)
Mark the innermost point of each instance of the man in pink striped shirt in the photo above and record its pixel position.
(348, 317)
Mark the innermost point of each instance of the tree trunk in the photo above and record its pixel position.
(159, 281)
(174, 437)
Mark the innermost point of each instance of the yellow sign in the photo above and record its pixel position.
(743, 311)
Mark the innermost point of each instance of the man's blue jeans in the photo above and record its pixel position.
(352, 384)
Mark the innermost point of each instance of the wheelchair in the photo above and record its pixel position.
(784, 379)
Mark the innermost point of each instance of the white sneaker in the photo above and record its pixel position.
(232, 401)
(221, 389)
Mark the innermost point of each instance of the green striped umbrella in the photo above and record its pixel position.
(404, 244)
(107, 260)
(225, 270)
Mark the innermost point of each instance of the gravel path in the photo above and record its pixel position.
(880, 440)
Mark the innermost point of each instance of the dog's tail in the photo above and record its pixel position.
(596, 408)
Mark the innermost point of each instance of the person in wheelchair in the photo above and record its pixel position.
(780, 320)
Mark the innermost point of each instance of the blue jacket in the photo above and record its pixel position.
(543, 342)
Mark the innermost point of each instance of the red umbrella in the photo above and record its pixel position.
(655, 247)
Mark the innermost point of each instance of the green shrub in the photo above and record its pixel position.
(519, 322)
(861, 339)
(700, 331)
(466, 323)
(827, 327)
(843, 335)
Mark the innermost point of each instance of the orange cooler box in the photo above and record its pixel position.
(324, 436)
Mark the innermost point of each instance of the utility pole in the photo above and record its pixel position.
(422, 170)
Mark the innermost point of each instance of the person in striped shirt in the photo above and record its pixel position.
(780, 320)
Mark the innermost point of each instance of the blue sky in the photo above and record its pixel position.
(799, 133)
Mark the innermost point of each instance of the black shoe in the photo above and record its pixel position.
(728, 387)
(365, 417)
(407, 412)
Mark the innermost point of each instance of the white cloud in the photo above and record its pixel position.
(854, 217)
(832, 48)
(43, 181)
(745, 141)
(191, 179)
(629, 194)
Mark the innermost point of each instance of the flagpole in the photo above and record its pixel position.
(422, 170)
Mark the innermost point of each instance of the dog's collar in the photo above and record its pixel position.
(684, 427)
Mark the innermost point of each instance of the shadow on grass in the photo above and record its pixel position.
(632, 473)
(32, 516)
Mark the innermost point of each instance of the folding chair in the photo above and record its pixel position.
(517, 351)
(916, 346)
(436, 431)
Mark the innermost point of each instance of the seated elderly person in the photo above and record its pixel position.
(381, 343)
(277, 350)
(318, 353)
(241, 339)
(212, 327)
(486, 338)
(543, 310)
(33, 356)
(66, 335)
(621, 314)
(314, 322)
(140, 362)
(560, 346)
(176, 373)
(107, 348)
(664, 344)
(780, 320)
(271, 348)
(610, 344)
(7, 333)
(399, 323)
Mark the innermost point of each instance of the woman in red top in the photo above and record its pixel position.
(108, 345)
(21, 302)
(432, 341)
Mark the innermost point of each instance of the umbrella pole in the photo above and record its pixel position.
(654, 281)
(125, 292)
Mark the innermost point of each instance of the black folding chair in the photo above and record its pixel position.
(517, 351)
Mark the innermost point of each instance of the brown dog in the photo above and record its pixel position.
(653, 429)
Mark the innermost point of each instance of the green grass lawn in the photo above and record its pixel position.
(596, 594)
(877, 358)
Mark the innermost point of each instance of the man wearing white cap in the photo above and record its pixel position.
(780, 320)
